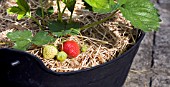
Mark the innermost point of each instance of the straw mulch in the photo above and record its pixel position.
(105, 41)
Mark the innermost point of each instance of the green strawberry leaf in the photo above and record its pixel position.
(13, 10)
(20, 35)
(72, 25)
(71, 31)
(63, 28)
(50, 10)
(141, 14)
(66, 32)
(70, 4)
(22, 45)
(22, 9)
(22, 4)
(121, 2)
(22, 39)
(102, 6)
(57, 26)
(39, 12)
(42, 38)
(58, 34)
(21, 15)
(75, 31)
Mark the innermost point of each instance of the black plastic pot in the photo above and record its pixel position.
(21, 69)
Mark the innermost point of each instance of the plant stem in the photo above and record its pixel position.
(71, 17)
(98, 22)
(42, 10)
(34, 19)
(58, 5)
(59, 12)
(63, 10)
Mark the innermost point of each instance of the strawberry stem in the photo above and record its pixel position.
(34, 19)
(98, 22)
(42, 11)
(59, 11)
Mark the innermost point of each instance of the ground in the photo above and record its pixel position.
(151, 66)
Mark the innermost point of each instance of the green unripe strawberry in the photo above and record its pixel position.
(84, 48)
(61, 56)
(49, 51)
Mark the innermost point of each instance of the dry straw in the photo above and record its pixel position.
(105, 41)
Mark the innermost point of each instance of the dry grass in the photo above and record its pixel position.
(105, 41)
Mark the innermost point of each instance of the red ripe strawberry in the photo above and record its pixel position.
(71, 48)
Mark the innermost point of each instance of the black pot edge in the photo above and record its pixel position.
(141, 36)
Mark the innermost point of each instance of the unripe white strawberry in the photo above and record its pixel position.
(49, 51)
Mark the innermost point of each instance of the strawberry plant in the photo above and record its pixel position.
(141, 14)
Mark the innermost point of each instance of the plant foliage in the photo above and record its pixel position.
(70, 4)
(102, 6)
(141, 13)
(22, 9)
(23, 39)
